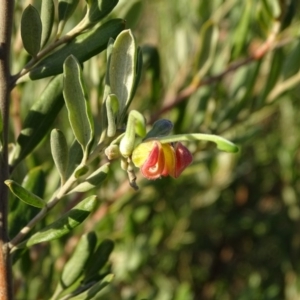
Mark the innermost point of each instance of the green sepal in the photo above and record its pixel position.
(76, 264)
(60, 152)
(31, 30)
(47, 17)
(24, 195)
(83, 47)
(92, 181)
(64, 224)
(100, 258)
(98, 9)
(79, 113)
(39, 119)
(161, 127)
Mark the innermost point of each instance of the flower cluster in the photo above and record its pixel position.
(156, 159)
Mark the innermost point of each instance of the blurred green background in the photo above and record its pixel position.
(229, 227)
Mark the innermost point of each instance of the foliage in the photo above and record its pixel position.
(228, 227)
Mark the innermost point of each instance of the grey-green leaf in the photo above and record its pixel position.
(64, 224)
(24, 195)
(100, 258)
(60, 152)
(83, 47)
(122, 68)
(92, 292)
(94, 180)
(112, 109)
(39, 119)
(47, 17)
(78, 109)
(76, 264)
(98, 9)
(65, 11)
(31, 30)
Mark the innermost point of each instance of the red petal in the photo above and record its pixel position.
(183, 158)
(154, 165)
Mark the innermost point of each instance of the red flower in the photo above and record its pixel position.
(156, 159)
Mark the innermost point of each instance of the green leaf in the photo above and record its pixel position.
(98, 9)
(76, 264)
(98, 261)
(222, 144)
(64, 224)
(122, 68)
(47, 17)
(20, 213)
(39, 119)
(24, 195)
(112, 108)
(94, 180)
(138, 75)
(75, 157)
(60, 152)
(31, 30)
(78, 109)
(242, 29)
(161, 127)
(81, 170)
(83, 47)
(65, 11)
(92, 292)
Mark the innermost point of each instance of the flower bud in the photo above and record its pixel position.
(112, 152)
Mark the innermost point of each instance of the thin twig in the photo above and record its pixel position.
(195, 84)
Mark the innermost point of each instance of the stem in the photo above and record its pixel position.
(6, 21)
(23, 232)
(222, 144)
(66, 38)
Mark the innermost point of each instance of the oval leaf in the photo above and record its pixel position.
(31, 30)
(92, 292)
(20, 213)
(82, 47)
(24, 195)
(100, 258)
(98, 9)
(78, 109)
(39, 119)
(47, 17)
(64, 224)
(76, 264)
(60, 152)
(94, 180)
(122, 68)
